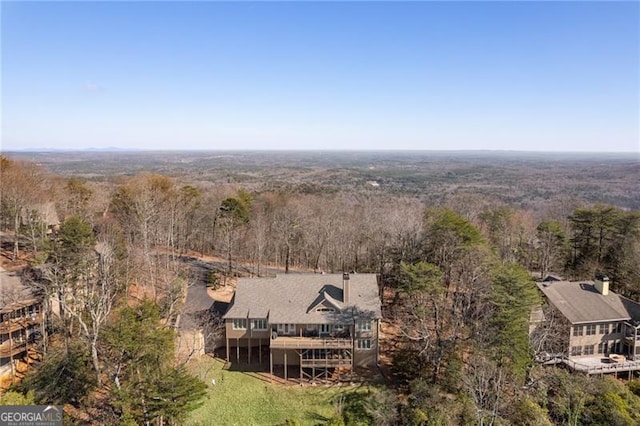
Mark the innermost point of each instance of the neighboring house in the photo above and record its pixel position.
(602, 323)
(308, 323)
(20, 321)
(43, 212)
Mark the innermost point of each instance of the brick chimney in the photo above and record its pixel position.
(346, 288)
(602, 284)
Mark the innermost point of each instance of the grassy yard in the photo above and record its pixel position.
(240, 398)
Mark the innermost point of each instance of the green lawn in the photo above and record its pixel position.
(240, 398)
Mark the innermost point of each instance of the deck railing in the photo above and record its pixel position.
(603, 368)
(7, 350)
(19, 323)
(331, 362)
(282, 342)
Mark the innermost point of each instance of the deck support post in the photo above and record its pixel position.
(271, 363)
(353, 358)
(260, 350)
(285, 364)
(238, 350)
(249, 352)
(227, 349)
(326, 368)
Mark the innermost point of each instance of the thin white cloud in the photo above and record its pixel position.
(92, 87)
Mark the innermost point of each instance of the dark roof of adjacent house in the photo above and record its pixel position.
(580, 302)
(13, 293)
(306, 298)
(552, 277)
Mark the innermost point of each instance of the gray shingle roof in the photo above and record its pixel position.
(580, 302)
(290, 298)
(13, 293)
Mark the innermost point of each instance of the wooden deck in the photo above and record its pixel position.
(20, 323)
(6, 350)
(596, 366)
(282, 342)
(326, 363)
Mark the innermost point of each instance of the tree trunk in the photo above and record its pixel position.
(229, 250)
(16, 229)
(286, 259)
(94, 358)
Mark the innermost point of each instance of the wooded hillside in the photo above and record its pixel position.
(456, 244)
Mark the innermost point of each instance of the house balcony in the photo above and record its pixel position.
(341, 333)
(602, 365)
(16, 324)
(284, 342)
(7, 350)
(326, 363)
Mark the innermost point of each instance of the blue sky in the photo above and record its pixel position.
(321, 75)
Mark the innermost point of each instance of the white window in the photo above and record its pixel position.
(259, 324)
(588, 350)
(590, 329)
(604, 328)
(577, 330)
(602, 347)
(576, 350)
(284, 329)
(338, 327)
(363, 344)
(363, 325)
(325, 329)
(239, 324)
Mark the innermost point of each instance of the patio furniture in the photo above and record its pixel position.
(617, 358)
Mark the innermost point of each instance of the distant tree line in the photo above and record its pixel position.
(320, 232)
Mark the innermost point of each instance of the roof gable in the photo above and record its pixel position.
(329, 296)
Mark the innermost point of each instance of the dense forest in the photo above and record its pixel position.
(457, 268)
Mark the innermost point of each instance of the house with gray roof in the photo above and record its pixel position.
(20, 320)
(309, 324)
(604, 326)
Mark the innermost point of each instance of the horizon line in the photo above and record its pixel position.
(352, 150)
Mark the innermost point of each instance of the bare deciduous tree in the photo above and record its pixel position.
(484, 381)
(550, 334)
(21, 186)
